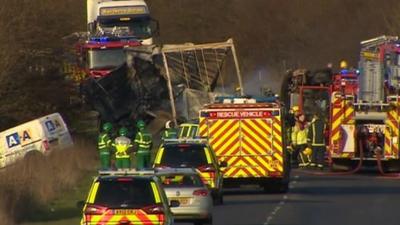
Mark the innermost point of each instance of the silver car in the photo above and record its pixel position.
(186, 186)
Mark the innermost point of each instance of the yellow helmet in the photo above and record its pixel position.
(295, 108)
(343, 64)
(307, 151)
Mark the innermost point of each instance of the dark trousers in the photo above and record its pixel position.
(318, 154)
(296, 152)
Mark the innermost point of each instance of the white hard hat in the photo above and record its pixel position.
(168, 124)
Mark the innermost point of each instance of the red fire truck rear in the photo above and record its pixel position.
(364, 114)
(247, 135)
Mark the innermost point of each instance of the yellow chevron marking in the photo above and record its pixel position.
(240, 173)
(256, 127)
(230, 161)
(223, 129)
(278, 157)
(277, 126)
(214, 125)
(116, 218)
(249, 150)
(235, 147)
(392, 127)
(227, 137)
(256, 136)
(275, 136)
(255, 166)
(256, 147)
(207, 177)
(277, 146)
(349, 111)
(203, 126)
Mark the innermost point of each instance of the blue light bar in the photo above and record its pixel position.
(100, 39)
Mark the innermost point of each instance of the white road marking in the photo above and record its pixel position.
(281, 203)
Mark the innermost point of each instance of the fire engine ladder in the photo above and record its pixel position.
(198, 66)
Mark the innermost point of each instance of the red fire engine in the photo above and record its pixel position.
(365, 108)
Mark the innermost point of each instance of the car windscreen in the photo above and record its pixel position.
(125, 193)
(184, 156)
(181, 180)
(139, 27)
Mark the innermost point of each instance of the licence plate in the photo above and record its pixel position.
(124, 211)
(182, 201)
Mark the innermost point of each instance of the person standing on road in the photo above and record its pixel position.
(299, 139)
(143, 142)
(170, 132)
(104, 143)
(316, 139)
(122, 144)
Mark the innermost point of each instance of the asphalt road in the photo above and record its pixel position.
(365, 198)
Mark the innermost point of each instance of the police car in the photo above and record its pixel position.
(193, 153)
(127, 197)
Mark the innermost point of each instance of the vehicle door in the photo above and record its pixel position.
(257, 147)
(224, 138)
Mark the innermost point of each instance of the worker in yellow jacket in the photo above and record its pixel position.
(299, 139)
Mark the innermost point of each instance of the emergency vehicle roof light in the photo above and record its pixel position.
(100, 39)
(127, 172)
(246, 99)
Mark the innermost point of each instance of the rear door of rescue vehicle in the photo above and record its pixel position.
(249, 138)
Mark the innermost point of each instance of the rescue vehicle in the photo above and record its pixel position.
(39, 136)
(247, 135)
(365, 107)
